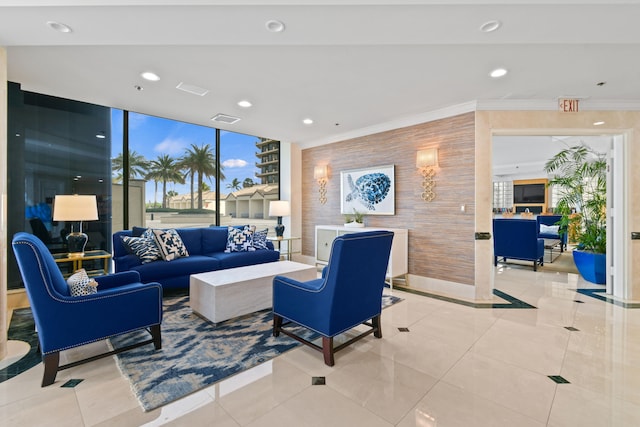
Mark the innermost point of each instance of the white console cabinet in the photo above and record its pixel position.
(398, 261)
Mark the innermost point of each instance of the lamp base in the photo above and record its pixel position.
(279, 230)
(75, 243)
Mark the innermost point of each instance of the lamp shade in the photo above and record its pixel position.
(427, 157)
(75, 208)
(320, 172)
(279, 208)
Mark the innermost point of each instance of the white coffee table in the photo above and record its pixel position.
(224, 294)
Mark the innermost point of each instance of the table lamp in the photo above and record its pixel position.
(279, 208)
(73, 208)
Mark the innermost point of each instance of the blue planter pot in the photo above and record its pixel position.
(592, 267)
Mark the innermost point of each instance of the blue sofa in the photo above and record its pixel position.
(206, 247)
(551, 221)
(517, 239)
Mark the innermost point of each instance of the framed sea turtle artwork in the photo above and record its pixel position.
(369, 191)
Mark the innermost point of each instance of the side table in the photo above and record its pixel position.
(288, 241)
(76, 261)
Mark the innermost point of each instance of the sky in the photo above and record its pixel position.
(153, 136)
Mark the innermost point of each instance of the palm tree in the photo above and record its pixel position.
(165, 169)
(138, 166)
(248, 182)
(235, 184)
(202, 161)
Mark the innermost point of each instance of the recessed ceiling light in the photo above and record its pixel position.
(59, 26)
(307, 121)
(152, 77)
(498, 72)
(490, 26)
(101, 135)
(598, 123)
(274, 26)
(245, 104)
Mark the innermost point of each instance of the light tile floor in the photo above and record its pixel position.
(457, 366)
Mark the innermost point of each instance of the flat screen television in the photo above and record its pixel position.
(529, 193)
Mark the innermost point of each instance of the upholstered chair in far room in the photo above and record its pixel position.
(119, 304)
(348, 294)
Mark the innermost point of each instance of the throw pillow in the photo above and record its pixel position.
(239, 240)
(170, 244)
(549, 229)
(144, 247)
(260, 238)
(80, 284)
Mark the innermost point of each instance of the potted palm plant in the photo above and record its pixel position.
(581, 175)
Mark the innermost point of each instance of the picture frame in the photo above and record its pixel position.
(370, 191)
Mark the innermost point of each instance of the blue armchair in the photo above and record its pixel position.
(517, 239)
(551, 221)
(348, 294)
(121, 304)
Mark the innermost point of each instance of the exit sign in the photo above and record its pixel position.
(568, 105)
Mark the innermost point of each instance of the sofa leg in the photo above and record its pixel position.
(495, 261)
(277, 324)
(51, 362)
(327, 350)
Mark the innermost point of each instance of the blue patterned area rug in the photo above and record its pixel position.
(197, 353)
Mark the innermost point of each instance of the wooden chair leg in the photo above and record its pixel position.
(156, 334)
(327, 350)
(277, 324)
(377, 326)
(51, 362)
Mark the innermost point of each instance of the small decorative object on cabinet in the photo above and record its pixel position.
(398, 260)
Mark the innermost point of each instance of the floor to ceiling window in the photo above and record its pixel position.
(59, 146)
(173, 172)
(56, 147)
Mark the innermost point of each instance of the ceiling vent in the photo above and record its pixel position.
(193, 89)
(224, 118)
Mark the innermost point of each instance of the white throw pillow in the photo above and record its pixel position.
(80, 284)
(549, 229)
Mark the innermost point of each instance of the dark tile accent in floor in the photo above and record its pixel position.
(571, 328)
(318, 381)
(595, 293)
(512, 302)
(22, 328)
(403, 329)
(558, 379)
(72, 383)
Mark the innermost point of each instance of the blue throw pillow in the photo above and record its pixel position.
(239, 240)
(144, 247)
(170, 244)
(260, 238)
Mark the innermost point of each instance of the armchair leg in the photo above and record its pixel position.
(327, 350)
(277, 324)
(377, 326)
(156, 334)
(51, 362)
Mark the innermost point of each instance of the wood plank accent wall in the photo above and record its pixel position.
(441, 237)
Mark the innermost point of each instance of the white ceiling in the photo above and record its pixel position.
(349, 65)
(518, 157)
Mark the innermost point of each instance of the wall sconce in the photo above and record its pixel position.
(425, 161)
(320, 174)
